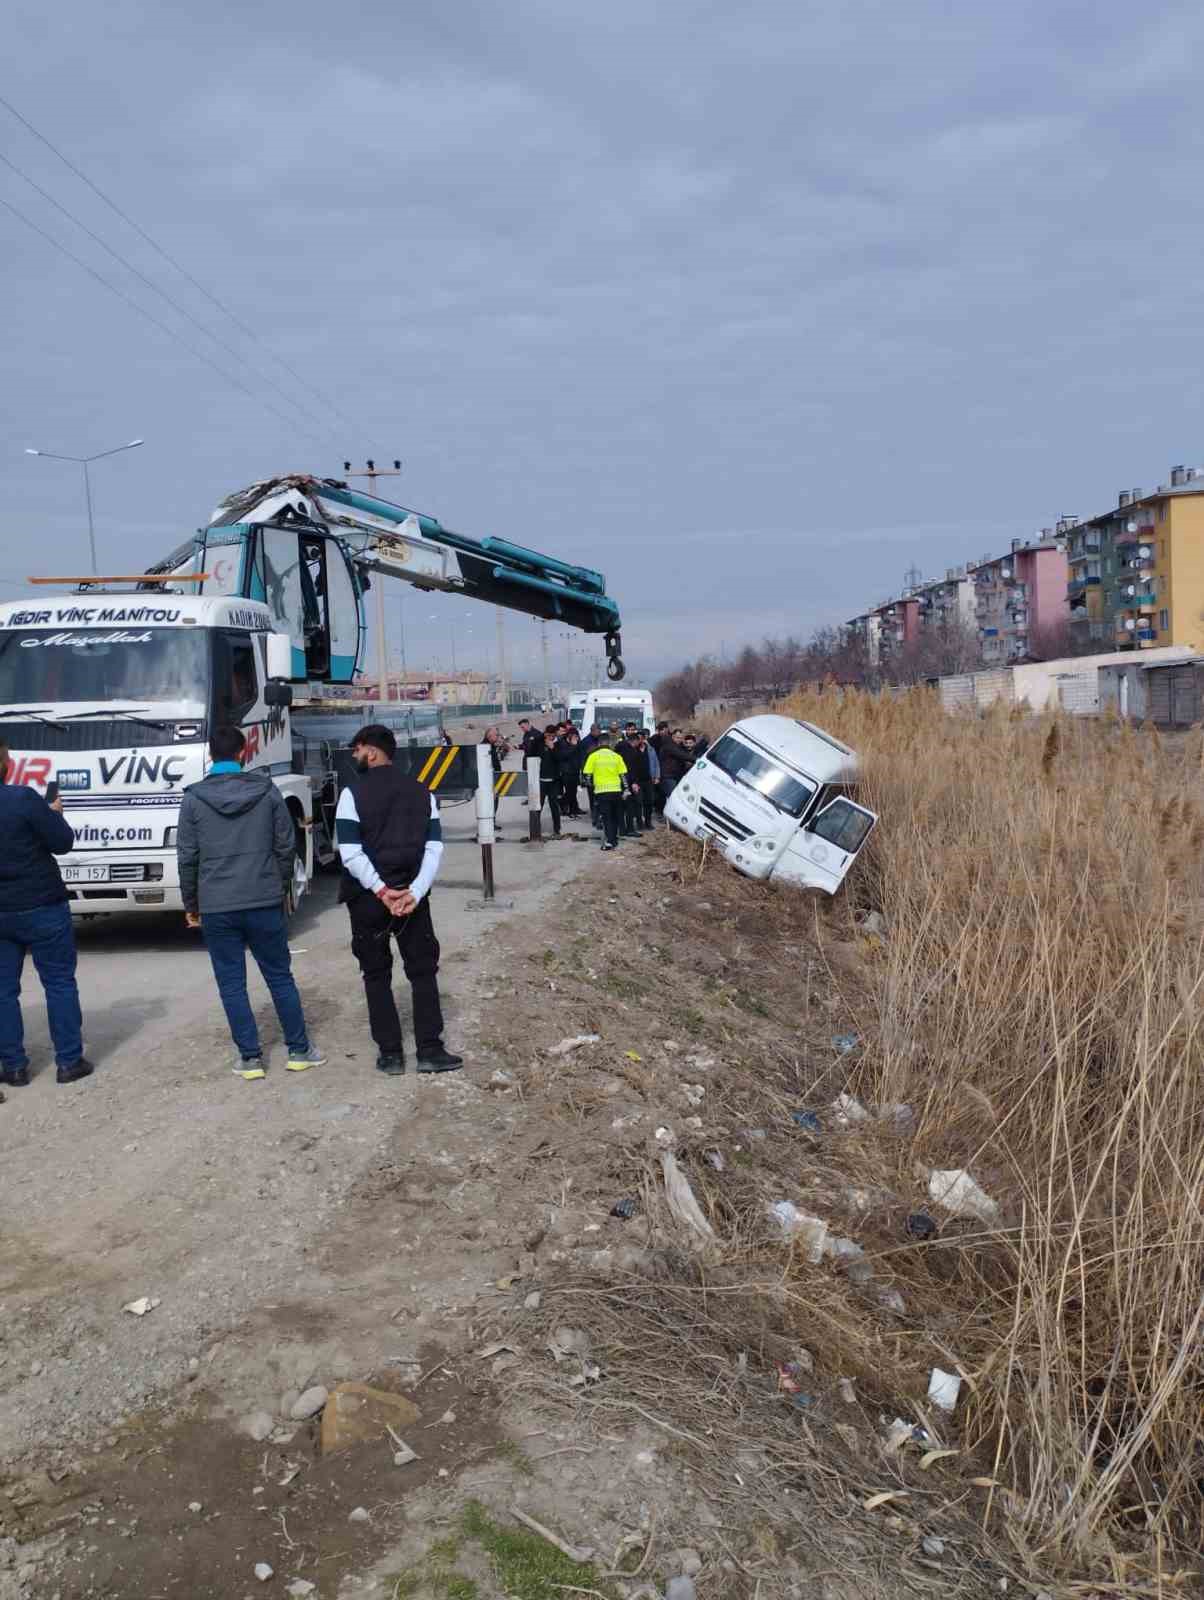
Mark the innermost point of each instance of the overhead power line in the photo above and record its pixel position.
(150, 317)
(175, 305)
(181, 269)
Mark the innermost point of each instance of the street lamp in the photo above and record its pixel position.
(85, 462)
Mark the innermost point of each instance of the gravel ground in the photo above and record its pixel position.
(165, 1176)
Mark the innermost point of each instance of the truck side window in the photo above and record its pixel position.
(843, 824)
(236, 684)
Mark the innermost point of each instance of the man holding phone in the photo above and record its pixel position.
(35, 920)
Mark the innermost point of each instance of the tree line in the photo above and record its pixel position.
(841, 656)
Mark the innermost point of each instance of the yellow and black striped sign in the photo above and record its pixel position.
(435, 768)
(505, 783)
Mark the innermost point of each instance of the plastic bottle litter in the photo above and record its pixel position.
(957, 1191)
(567, 1045)
(846, 1042)
(807, 1120)
(809, 1232)
(714, 1159)
(624, 1209)
(681, 1199)
(263, 1572)
(849, 1110)
(139, 1308)
(943, 1388)
(844, 1250)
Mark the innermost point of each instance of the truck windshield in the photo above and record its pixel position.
(781, 788)
(605, 714)
(56, 666)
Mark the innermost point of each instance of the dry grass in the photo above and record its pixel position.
(1039, 1001)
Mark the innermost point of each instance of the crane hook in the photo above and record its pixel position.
(614, 662)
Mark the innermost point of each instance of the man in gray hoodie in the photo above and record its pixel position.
(235, 850)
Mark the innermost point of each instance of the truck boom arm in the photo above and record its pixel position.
(391, 540)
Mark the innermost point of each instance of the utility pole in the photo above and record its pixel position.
(501, 660)
(547, 681)
(382, 655)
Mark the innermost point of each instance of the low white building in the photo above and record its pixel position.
(1073, 683)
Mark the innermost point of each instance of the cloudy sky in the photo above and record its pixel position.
(752, 308)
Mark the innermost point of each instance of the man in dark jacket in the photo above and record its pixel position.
(639, 772)
(235, 849)
(568, 765)
(585, 749)
(531, 739)
(498, 751)
(549, 777)
(35, 920)
(391, 842)
(675, 762)
(648, 772)
(655, 743)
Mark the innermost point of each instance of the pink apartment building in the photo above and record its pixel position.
(1020, 597)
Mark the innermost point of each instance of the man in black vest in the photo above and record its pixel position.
(391, 842)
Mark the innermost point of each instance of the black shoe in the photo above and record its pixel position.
(393, 1066)
(439, 1060)
(82, 1068)
(15, 1077)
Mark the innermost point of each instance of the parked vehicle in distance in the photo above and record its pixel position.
(605, 706)
(774, 795)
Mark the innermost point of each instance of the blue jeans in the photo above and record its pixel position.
(263, 931)
(44, 933)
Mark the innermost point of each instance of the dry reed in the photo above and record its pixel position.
(1040, 1001)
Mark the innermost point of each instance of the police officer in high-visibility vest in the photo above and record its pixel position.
(606, 772)
(391, 842)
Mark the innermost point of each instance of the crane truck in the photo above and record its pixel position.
(108, 692)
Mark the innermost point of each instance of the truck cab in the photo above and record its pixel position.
(605, 706)
(775, 797)
(111, 697)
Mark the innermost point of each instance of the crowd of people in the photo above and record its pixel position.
(236, 849)
(626, 773)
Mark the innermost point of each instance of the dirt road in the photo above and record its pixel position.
(166, 1176)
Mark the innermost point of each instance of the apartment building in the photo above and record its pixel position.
(886, 629)
(1021, 597)
(1137, 570)
(1154, 591)
(938, 606)
(947, 602)
(1090, 559)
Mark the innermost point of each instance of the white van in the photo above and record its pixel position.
(773, 796)
(605, 706)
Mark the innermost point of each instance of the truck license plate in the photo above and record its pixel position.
(98, 874)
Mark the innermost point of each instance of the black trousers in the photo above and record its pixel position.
(647, 803)
(373, 931)
(631, 812)
(609, 807)
(549, 794)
